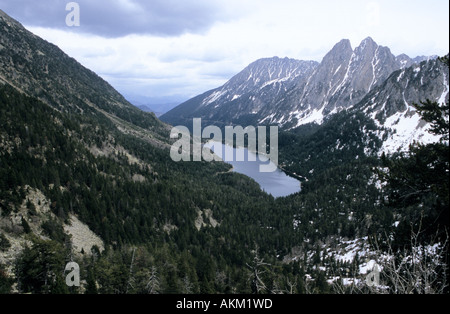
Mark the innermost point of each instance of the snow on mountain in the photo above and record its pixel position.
(246, 94)
(342, 79)
(391, 104)
(291, 93)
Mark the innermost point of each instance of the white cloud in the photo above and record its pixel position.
(118, 18)
(189, 63)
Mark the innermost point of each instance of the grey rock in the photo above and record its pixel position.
(290, 92)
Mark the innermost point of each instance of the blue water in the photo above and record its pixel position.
(276, 183)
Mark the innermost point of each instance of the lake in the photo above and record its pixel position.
(276, 183)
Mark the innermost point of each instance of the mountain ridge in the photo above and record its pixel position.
(40, 69)
(341, 80)
(261, 81)
(391, 105)
(71, 147)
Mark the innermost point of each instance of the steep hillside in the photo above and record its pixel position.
(85, 176)
(39, 69)
(390, 105)
(244, 96)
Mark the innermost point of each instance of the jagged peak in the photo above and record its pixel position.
(402, 56)
(299, 91)
(341, 49)
(368, 40)
(367, 43)
(343, 44)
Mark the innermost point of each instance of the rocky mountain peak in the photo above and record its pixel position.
(341, 52)
(367, 43)
(291, 93)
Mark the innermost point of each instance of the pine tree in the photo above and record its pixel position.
(418, 184)
(418, 181)
(38, 269)
(91, 285)
(5, 281)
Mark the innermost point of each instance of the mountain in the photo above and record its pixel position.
(390, 104)
(87, 177)
(246, 94)
(146, 108)
(384, 121)
(291, 93)
(343, 78)
(39, 69)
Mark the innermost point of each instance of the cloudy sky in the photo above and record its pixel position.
(171, 50)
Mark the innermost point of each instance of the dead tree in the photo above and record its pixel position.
(258, 267)
(153, 285)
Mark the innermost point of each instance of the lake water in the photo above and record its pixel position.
(276, 183)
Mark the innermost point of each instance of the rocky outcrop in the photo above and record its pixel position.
(290, 92)
(83, 239)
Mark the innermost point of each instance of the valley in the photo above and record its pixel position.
(85, 176)
(276, 183)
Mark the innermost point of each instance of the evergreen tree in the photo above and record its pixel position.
(153, 285)
(39, 268)
(91, 285)
(418, 181)
(5, 281)
(418, 185)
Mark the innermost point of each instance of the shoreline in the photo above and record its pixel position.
(289, 174)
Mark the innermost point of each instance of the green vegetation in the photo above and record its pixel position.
(156, 214)
(148, 224)
(95, 156)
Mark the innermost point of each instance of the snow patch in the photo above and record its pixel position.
(400, 76)
(444, 95)
(316, 116)
(339, 67)
(406, 128)
(214, 96)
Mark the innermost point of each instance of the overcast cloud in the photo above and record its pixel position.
(176, 49)
(117, 18)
